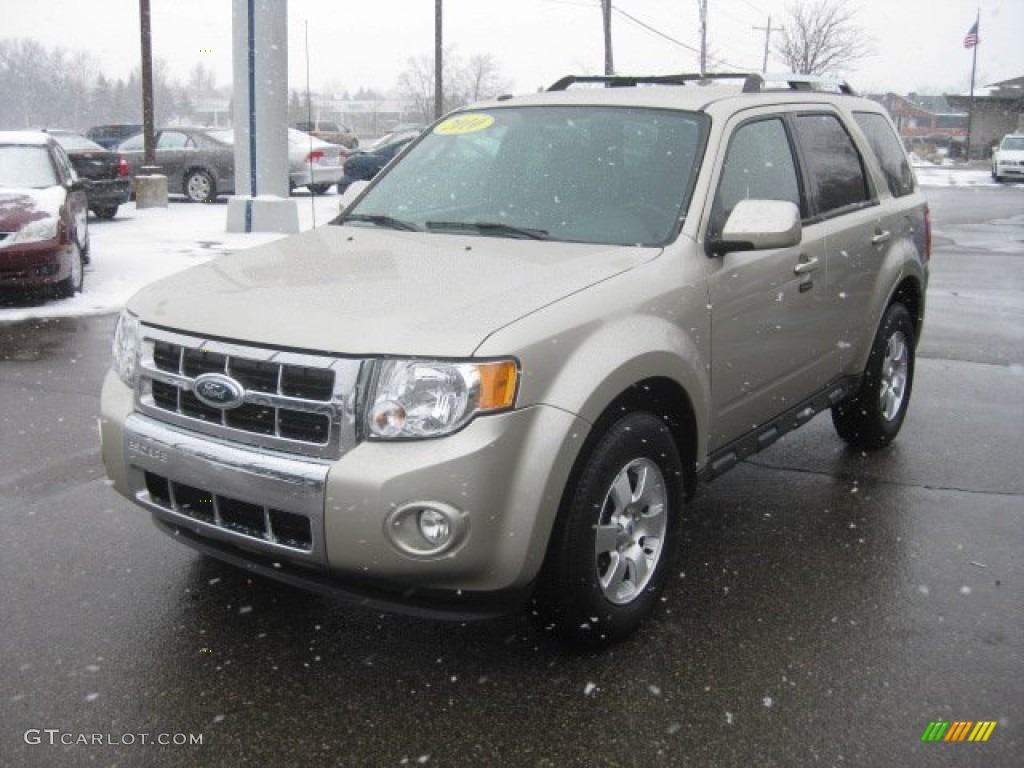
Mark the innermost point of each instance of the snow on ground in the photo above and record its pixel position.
(141, 246)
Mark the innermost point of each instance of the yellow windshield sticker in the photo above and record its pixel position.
(464, 124)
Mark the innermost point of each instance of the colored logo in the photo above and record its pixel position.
(218, 391)
(958, 730)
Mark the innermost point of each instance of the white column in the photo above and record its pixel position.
(260, 47)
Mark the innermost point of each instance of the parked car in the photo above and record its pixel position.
(364, 164)
(44, 231)
(501, 372)
(109, 136)
(1008, 158)
(110, 184)
(196, 164)
(314, 163)
(329, 131)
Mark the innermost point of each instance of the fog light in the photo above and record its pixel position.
(426, 528)
(434, 527)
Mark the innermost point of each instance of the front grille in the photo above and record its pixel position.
(293, 402)
(276, 526)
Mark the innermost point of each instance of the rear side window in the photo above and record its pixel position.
(887, 148)
(758, 166)
(836, 173)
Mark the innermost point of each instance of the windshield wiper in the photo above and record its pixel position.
(381, 220)
(490, 227)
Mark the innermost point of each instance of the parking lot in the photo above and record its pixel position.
(828, 605)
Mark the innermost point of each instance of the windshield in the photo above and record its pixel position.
(616, 175)
(1013, 142)
(26, 167)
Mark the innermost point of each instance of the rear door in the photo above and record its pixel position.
(767, 307)
(843, 201)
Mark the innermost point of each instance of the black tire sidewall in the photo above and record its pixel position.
(576, 604)
(860, 420)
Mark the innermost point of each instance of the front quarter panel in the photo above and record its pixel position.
(584, 351)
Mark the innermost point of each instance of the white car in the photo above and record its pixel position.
(1008, 158)
(312, 162)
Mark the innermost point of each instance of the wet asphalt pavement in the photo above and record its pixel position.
(828, 604)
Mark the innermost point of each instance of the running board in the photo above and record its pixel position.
(727, 457)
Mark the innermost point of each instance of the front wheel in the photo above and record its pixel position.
(72, 284)
(617, 534)
(872, 418)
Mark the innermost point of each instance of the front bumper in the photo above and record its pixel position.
(323, 524)
(1010, 168)
(35, 264)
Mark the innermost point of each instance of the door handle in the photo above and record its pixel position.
(881, 236)
(806, 265)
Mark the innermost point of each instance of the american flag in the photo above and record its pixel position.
(971, 39)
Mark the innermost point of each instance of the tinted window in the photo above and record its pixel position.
(886, 146)
(835, 170)
(758, 166)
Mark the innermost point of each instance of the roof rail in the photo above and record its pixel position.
(752, 82)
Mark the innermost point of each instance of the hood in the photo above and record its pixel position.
(20, 206)
(362, 291)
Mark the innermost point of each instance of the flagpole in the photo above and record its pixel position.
(970, 105)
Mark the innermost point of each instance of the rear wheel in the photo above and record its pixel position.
(200, 186)
(872, 418)
(617, 534)
(319, 189)
(105, 211)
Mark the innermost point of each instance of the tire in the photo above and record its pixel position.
(319, 189)
(72, 284)
(616, 536)
(872, 418)
(199, 186)
(106, 212)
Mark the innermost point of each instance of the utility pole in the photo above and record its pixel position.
(767, 40)
(438, 62)
(606, 14)
(149, 151)
(703, 5)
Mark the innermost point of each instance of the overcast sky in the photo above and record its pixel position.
(918, 44)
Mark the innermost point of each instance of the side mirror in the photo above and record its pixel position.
(354, 190)
(759, 225)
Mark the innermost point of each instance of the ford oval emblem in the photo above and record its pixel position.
(218, 391)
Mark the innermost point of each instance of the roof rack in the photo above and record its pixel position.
(752, 82)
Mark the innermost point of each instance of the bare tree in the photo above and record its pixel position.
(821, 37)
(464, 82)
(483, 79)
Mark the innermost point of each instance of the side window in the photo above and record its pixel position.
(758, 166)
(172, 140)
(837, 176)
(887, 148)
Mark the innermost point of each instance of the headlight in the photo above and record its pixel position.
(36, 231)
(125, 349)
(430, 398)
